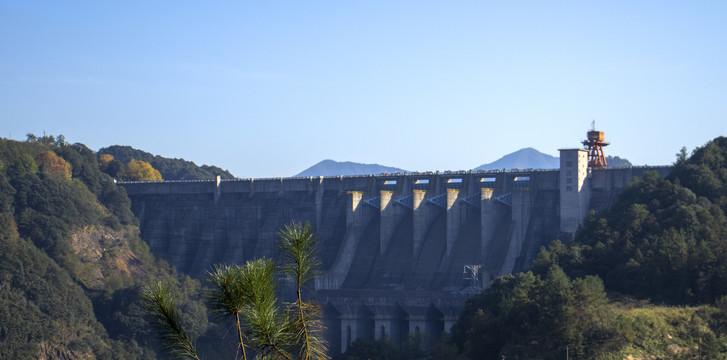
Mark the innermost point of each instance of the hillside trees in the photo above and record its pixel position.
(50, 163)
(40, 305)
(112, 159)
(528, 315)
(138, 170)
(135, 170)
(71, 261)
(170, 169)
(110, 166)
(665, 239)
(549, 316)
(246, 295)
(615, 161)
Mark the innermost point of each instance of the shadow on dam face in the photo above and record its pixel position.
(399, 253)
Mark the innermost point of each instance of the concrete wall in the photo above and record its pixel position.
(607, 183)
(394, 248)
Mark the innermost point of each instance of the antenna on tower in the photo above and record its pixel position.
(593, 125)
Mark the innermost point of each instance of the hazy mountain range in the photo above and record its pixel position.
(527, 158)
(336, 168)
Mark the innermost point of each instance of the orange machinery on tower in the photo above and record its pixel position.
(595, 145)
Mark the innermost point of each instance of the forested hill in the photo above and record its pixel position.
(170, 169)
(665, 239)
(648, 279)
(71, 260)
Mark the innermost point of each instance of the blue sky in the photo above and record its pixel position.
(270, 88)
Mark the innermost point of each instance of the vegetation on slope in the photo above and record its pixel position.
(615, 161)
(71, 261)
(664, 242)
(170, 169)
(665, 239)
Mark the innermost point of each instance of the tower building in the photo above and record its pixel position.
(594, 144)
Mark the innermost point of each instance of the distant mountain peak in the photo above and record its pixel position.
(526, 158)
(330, 167)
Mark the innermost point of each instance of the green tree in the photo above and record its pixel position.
(25, 164)
(110, 166)
(246, 295)
(248, 292)
(298, 243)
(535, 316)
(171, 169)
(166, 317)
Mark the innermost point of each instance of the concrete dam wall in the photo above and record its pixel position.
(400, 253)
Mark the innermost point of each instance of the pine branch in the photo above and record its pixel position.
(160, 306)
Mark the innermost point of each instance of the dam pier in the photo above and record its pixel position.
(401, 253)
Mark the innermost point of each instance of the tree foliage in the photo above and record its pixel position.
(246, 295)
(49, 163)
(615, 161)
(138, 170)
(110, 166)
(24, 164)
(170, 169)
(71, 263)
(104, 160)
(528, 315)
(546, 316)
(298, 244)
(664, 240)
(161, 304)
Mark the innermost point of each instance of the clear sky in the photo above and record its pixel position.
(269, 88)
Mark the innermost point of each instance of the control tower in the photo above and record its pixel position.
(595, 145)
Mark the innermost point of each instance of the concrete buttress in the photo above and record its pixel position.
(399, 252)
(488, 220)
(388, 219)
(454, 218)
(520, 221)
(355, 222)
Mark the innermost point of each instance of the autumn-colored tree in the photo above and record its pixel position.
(110, 166)
(137, 170)
(49, 163)
(104, 160)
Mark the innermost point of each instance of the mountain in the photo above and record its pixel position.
(336, 168)
(527, 158)
(72, 263)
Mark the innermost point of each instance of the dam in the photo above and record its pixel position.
(401, 253)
